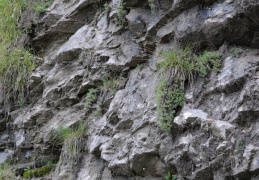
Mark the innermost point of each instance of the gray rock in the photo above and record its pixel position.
(222, 146)
(221, 129)
(138, 19)
(6, 156)
(96, 142)
(190, 115)
(126, 140)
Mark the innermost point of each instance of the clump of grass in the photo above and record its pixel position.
(177, 68)
(186, 65)
(73, 141)
(16, 63)
(6, 172)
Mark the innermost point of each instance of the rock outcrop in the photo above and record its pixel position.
(216, 133)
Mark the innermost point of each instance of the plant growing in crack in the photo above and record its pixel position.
(107, 88)
(239, 148)
(96, 17)
(91, 97)
(6, 172)
(236, 52)
(73, 142)
(169, 176)
(121, 16)
(98, 110)
(152, 6)
(106, 7)
(177, 68)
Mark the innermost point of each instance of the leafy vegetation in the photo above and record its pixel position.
(16, 63)
(152, 5)
(239, 148)
(90, 97)
(236, 52)
(169, 98)
(106, 7)
(7, 173)
(98, 110)
(170, 177)
(110, 84)
(121, 16)
(177, 68)
(96, 17)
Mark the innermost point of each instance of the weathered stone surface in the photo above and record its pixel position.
(215, 134)
(138, 19)
(190, 115)
(6, 156)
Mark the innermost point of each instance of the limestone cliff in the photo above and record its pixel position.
(215, 135)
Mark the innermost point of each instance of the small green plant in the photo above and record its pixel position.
(21, 100)
(239, 149)
(110, 84)
(98, 111)
(152, 5)
(236, 52)
(97, 176)
(96, 17)
(177, 68)
(6, 172)
(106, 7)
(121, 16)
(90, 97)
(41, 6)
(170, 177)
(168, 98)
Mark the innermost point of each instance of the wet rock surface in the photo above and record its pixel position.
(216, 133)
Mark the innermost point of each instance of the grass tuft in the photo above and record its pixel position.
(73, 141)
(177, 68)
(16, 63)
(6, 172)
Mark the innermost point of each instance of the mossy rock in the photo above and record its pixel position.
(39, 172)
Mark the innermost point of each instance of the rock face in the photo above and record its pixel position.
(216, 134)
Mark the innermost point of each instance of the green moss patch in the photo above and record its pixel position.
(39, 172)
